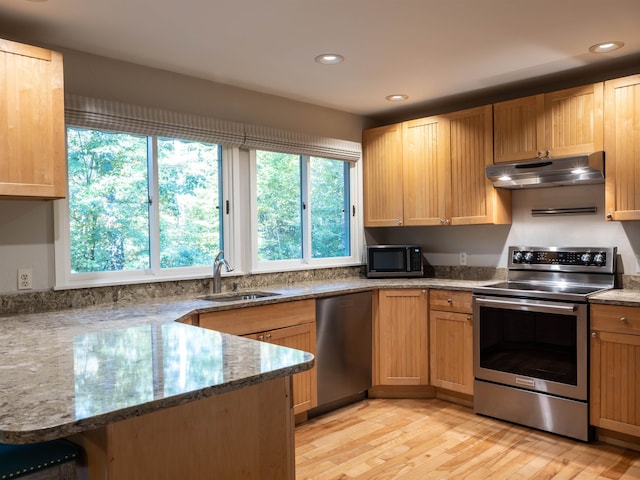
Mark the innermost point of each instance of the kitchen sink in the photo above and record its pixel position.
(236, 297)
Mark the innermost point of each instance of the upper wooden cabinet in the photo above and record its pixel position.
(473, 198)
(382, 176)
(441, 166)
(563, 123)
(32, 128)
(425, 155)
(622, 147)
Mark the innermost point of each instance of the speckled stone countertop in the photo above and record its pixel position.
(627, 297)
(68, 371)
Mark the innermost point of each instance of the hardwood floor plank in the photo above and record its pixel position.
(422, 439)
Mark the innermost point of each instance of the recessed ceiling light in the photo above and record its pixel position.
(397, 97)
(329, 58)
(606, 47)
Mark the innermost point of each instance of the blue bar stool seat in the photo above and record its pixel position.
(54, 459)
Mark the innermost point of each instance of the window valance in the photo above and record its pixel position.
(94, 113)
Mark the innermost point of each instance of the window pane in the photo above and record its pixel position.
(108, 201)
(278, 206)
(329, 208)
(189, 189)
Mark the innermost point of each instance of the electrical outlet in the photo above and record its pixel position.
(462, 259)
(24, 279)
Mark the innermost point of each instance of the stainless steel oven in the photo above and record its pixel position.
(531, 338)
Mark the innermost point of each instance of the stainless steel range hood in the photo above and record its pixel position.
(549, 172)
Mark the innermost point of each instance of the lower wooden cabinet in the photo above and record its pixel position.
(401, 355)
(300, 337)
(451, 340)
(615, 368)
(290, 324)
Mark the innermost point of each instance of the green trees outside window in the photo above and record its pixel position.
(111, 206)
(296, 194)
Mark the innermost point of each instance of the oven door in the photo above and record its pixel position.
(531, 344)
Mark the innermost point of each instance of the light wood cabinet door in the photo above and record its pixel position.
(451, 340)
(574, 120)
(558, 124)
(518, 129)
(615, 368)
(290, 324)
(32, 128)
(451, 351)
(300, 337)
(382, 176)
(426, 182)
(622, 147)
(401, 348)
(471, 198)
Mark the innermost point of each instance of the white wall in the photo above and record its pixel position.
(487, 245)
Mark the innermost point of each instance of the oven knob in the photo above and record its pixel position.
(585, 257)
(517, 257)
(598, 258)
(528, 256)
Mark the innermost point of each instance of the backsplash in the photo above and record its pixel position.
(35, 302)
(43, 301)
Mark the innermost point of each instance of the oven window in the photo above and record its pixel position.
(531, 344)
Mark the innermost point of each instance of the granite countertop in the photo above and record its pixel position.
(617, 296)
(67, 371)
(70, 371)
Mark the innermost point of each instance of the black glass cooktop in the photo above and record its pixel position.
(550, 288)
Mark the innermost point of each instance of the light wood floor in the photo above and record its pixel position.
(431, 439)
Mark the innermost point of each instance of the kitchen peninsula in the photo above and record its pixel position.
(149, 397)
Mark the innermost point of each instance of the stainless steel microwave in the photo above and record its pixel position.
(385, 261)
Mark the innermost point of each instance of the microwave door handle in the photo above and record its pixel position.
(407, 259)
(545, 307)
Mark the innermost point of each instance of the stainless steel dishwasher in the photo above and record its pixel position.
(343, 349)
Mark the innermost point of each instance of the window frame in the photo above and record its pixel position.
(65, 279)
(307, 262)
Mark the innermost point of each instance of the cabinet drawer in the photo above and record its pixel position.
(244, 321)
(450, 300)
(615, 318)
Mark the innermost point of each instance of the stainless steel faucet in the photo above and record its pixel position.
(218, 263)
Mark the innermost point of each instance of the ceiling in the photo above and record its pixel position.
(427, 49)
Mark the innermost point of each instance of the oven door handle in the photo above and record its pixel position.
(537, 307)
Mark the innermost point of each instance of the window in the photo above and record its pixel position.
(146, 197)
(303, 209)
(141, 203)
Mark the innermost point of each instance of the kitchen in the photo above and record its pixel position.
(28, 231)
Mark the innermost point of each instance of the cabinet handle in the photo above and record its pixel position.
(468, 318)
(268, 336)
(261, 337)
(623, 319)
(441, 221)
(398, 222)
(594, 334)
(449, 301)
(609, 216)
(447, 221)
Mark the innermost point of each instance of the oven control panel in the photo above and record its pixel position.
(578, 257)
